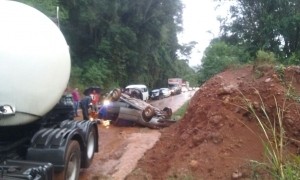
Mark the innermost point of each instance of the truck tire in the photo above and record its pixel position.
(148, 113)
(90, 148)
(72, 163)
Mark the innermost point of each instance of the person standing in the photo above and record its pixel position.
(76, 99)
(95, 100)
(85, 105)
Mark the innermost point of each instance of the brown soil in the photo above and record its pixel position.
(217, 137)
(120, 147)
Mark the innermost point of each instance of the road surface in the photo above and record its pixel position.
(120, 148)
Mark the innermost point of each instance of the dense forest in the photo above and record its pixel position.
(118, 42)
(255, 32)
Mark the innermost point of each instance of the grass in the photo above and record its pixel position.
(139, 174)
(277, 165)
(180, 112)
(181, 174)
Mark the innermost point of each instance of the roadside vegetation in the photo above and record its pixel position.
(254, 30)
(180, 112)
(278, 163)
(116, 43)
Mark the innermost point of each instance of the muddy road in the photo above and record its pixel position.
(120, 148)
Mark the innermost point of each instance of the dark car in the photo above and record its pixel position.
(156, 94)
(166, 92)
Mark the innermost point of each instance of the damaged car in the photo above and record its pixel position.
(124, 110)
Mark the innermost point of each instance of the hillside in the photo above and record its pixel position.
(217, 137)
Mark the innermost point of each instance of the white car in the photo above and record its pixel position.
(166, 92)
(139, 91)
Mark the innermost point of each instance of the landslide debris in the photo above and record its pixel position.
(218, 136)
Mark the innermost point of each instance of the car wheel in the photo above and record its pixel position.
(168, 112)
(115, 94)
(148, 113)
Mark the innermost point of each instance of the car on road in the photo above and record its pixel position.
(166, 92)
(139, 91)
(156, 94)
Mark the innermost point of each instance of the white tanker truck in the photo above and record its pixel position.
(38, 138)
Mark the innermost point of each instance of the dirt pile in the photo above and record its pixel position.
(218, 137)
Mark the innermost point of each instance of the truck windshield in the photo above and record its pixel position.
(173, 85)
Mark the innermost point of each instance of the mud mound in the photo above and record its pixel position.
(218, 137)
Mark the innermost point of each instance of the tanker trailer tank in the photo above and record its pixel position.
(35, 133)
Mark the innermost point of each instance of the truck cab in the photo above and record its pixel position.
(175, 85)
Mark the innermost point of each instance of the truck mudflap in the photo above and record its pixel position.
(50, 144)
(17, 169)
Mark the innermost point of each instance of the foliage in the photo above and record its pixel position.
(271, 25)
(274, 141)
(265, 32)
(76, 72)
(217, 57)
(264, 60)
(263, 57)
(291, 169)
(294, 59)
(186, 49)
(280, 71)
(95, 73)
(182, 174)
(116, 43)
(181, 111)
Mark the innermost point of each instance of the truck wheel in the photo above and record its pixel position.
(148, 113)
(90, 149)
(72, 163)
(115, 94)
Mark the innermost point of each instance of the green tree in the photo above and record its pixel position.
(270, 25)
(217, 57)
(114, 43)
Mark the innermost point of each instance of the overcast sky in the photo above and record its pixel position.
(199, 17)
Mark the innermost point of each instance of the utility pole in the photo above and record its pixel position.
(57, 15)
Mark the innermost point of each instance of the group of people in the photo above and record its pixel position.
(88, 101)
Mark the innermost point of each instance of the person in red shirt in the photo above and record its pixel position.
(76, 99)
(95, 100)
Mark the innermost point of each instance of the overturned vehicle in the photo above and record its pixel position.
(124, 110)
